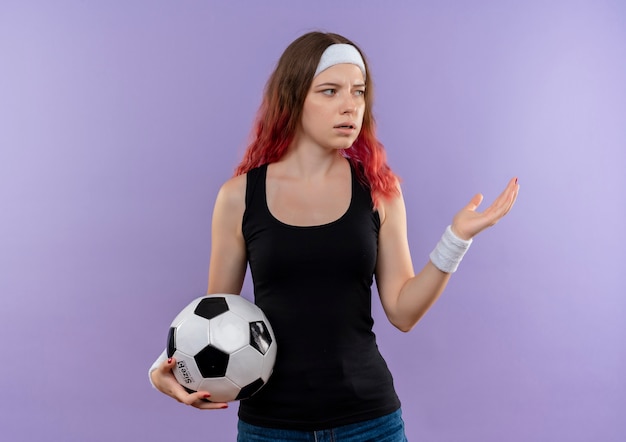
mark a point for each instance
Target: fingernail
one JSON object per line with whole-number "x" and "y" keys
{"x": 224, "y": 406}
{"x": 515, "y": 180}
{"x": 169, "y": 361}
{"x": 206, "y": 396}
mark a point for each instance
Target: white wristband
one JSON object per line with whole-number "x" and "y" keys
{"x": 449, "y": 251}
{"x": 162, "y": 357}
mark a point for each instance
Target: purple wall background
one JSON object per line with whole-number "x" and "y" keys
{"x": 119, "y": 120}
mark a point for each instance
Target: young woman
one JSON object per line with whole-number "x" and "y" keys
{"x": 317, "y": 213}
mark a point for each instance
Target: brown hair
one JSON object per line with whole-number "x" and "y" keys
{"x": 281, "y": 111}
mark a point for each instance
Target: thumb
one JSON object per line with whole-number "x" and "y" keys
{"x": 169, "y": 364}
{"x": 475, "y": 202}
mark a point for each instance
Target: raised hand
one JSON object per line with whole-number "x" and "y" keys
{"x": 468, "y": 222}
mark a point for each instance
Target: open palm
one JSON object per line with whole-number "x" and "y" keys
{"x": 468, "y": 222}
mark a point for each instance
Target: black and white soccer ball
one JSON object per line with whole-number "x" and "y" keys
{"x": 223, "y": 344}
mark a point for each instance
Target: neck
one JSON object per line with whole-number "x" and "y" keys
{"x": 309, "y": 162}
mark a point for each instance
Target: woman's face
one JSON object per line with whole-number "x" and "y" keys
{"x": 333, "y": 108}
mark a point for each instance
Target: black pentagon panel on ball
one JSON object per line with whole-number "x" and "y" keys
{"x": 260, "y": 337}
{"x": 171, "y": 342}
{"x": 209, "y": 308}
{"x": 211, "y": 362}
{"x": 250, "y": 389}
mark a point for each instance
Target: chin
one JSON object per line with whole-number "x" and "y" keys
{"x": 345, "y": 145}
{"x": 341, "y": 149}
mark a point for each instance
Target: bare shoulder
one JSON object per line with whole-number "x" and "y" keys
{"x": 228, "y": 252}
{"x": 391, "y": 206}
{"x": 232, "y": 194}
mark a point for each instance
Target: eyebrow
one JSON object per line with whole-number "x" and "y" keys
{"x": 337, "y": 85}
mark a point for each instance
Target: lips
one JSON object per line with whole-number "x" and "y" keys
{"x": 346, "y": 125}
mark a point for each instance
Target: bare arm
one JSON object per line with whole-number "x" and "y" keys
{"x": 406, "y": 297}
{"x": 226, "y": 273}
{"x": 228, "y": 250}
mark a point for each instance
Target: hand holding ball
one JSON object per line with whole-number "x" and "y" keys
{"x": 223, "y": 344}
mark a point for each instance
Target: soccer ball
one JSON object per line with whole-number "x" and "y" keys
{"x": 223, "y": 344}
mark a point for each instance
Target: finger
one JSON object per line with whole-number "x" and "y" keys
{"x": 203, "y": 405}
{"x": 168, "y": 365}
{"x": 508, "y": 190}
{"x": 512, "y": 182}
{"x": 475, "y": 202}
{"x": 201, "y": 400}
{"x": 162, "y": 373}
{"x": 504, "y": 197}
{"x": 511, "y": 195}
{"x": 505, "y": 201}
{"x": 197, "y": 396}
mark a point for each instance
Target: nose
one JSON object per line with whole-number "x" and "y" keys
{"x": 348, "y": 104}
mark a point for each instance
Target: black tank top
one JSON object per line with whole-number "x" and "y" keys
{"x": 314, "y": 285}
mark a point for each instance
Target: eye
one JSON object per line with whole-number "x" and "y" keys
{"x": 330, "y": 92}
{"x": 359, "y": 92}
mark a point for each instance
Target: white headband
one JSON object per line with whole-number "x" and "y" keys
{"x": 340, "y": 53}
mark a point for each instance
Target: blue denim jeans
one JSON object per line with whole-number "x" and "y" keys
{"x": 388, "y": 428}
